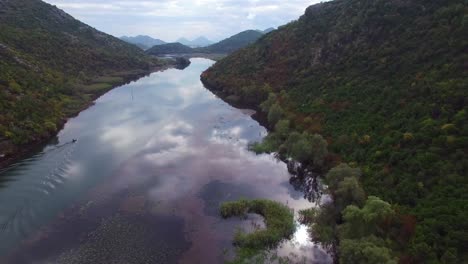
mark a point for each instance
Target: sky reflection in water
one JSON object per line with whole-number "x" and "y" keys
{"x": 161, "y": 147}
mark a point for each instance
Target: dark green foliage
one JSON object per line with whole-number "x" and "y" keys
{"x": 267, "y": 104}
{"x": 233, "y": 43}
{"x": 282, "y": 128}
{"x": 360, "y": 229}
{"x": 349, "y": 191}
{"x": 307, "y": 148}
{"x": 369, "y": 250}
{"x": 279, "y": 221}
{"x": 337, "y": 174}
{"x": 365, "y": 221}
{"x": 170, "y": 48}
{"x": 275, "y": 114}
{"x": 49, "y": 67}
{"x": 386, "y": 82}
{"x": 362, "y": 240}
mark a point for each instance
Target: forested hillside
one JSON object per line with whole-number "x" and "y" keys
{"x": 233, "y": 43}
{"x": 52, "y": 65}
{"x": 386, "y": 84}
{"x": 225, "y": 46}
{"x": 170, "y": 48}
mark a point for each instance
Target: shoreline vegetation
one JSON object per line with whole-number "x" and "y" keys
{"x": 53, "y": 66}
{"x": 92, "y": 90}
{"x": 378, "y": 108}
{"x": 250, "y": 247}
{"x": 362, "y": 224}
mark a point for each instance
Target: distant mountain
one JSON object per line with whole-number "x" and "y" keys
{"x": 51, "y": 66}
{"x": 184, "y": 41}
{"x": 144, "y": 42}
{"x": 196, "y": 43}
{"x": 234, "y": 43}
{"x": 170, "y": 48}
{"x": 225, "y": 46}
{"x": 268, "y": 30}
{"x": 201, "y": 42}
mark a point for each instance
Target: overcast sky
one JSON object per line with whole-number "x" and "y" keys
{"x": 171, "y": 19}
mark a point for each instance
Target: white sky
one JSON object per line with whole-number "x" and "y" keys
{"x": 172, "y": 19}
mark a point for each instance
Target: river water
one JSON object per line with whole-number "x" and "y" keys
{"x": 143, "y": 183}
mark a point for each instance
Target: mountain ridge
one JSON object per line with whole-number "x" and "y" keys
{"x": 143, "y": 41}
{"x": 53, "y": 62}
{"x": 228, "y": 45}
{"x": 195, "y": 43}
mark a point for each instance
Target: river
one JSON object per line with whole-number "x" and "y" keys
{"x": 143, "y": 183}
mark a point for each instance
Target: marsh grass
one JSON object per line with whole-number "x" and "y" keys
{"x": 279, "y": 221}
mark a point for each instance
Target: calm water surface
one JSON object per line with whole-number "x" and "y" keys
{"x": 143, "y": 183}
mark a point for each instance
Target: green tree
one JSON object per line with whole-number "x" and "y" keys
{"x": 369, "y": 250}
{"x": 282, "y": 128}
{"x": 366, "y": 221}
{"x": 349, "y": 192}
{"x": 319, "y": 148}
{"x": 275, "y": 114}
{"x": 271, "y": 100}
{"x": 300, "y": 149}
{"x": 339, "y": 173}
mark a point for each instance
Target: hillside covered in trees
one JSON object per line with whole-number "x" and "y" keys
{"x": 385, "y": 83}
{"x": 233, "y": 43}
{"x": 170, "y": 48}
{"x": 225, "y": 46}
{"x": 51, "y": 66}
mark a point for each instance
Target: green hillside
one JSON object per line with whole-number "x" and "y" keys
{"x": 170, "y": 48}
{"x": 225, "y": 46}
{"x": 51, "y": 66}
{"x": 386, "y": 83}
{"x": 233, "y": 43}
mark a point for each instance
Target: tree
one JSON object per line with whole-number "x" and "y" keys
{"x": 319, "y": 148}
{"x": 271, "y": 100}
{"x": 366, "y": 221}
{"x": 306, "y": 148}
{"x": 349, "y": 192}
{"x": 339, "y": 173}
{"x": 275, "y": 114}
{"x": 282, "y": 128}
{"x": 369, "y": 250}
{"x": 300, "y": 148}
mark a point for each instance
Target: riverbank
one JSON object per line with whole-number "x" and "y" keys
{"x": 11, "y": 153}
{"x": 306, "y": 155}
{"x": 130, "y": 156}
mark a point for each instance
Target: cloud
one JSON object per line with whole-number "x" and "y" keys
{"x": 172, "y": 19}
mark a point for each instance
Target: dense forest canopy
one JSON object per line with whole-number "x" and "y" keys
{"x": 386, "y": 83}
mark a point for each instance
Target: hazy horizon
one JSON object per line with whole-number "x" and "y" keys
{"x": 170, "y": 20}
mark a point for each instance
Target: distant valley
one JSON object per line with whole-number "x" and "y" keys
{"x": 225, "y": 46}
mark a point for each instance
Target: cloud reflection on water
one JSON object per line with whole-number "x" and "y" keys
{"x": 164, "y": 139}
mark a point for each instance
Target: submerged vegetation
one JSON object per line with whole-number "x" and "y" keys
{"x": 279, "y": 220}
{"x": 384, "y": 84}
